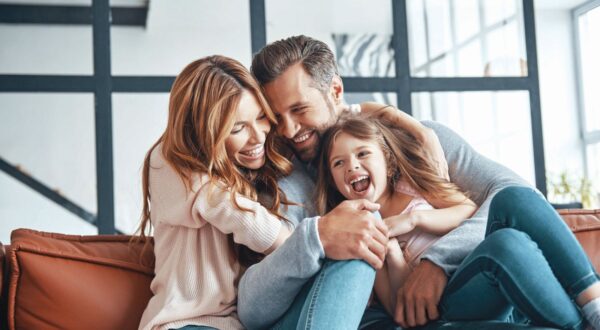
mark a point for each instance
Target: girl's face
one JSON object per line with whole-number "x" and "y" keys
{"x": 358, "y": 167}
{"x": 246, "y": 142}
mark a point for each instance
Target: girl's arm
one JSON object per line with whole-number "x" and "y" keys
{"x": 422, "y": 133}
{"x": 382, "y": 288}
{"x": 436, "y": 221}
{"x": 391, "y": 276}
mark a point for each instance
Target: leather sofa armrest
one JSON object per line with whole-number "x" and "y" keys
{"x": 3, "y": 287}
{"x": 2, "y": 267}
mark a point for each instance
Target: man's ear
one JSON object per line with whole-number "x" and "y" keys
{"x": 337, "y": 89}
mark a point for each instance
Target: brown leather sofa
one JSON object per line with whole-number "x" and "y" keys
{"x": 55, "y": 281}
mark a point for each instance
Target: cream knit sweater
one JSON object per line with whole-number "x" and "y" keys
{"x": 196, "y": 277}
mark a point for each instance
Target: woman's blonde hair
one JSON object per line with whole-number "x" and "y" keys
{"x": 406, "y": 159}
{"x": 202, "y": 109}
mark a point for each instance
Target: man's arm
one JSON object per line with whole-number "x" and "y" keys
{"x": 350, "y": 231}
{"x": 268, "y": 288}
{"x": 481, "y": 178}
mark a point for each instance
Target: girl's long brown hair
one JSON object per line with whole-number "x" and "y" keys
{"x": 202, "y": 106}
{"x": 406, "y": 159}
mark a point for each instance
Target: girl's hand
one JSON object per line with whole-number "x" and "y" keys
{"x": 400, "y": 224}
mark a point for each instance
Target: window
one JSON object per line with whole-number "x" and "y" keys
{"x": 587, "y": 28}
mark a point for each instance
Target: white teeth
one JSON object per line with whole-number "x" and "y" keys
{"x": 302, "y": 137}
{"x": 362, "y": 177}
{"x": 254, "y": 152}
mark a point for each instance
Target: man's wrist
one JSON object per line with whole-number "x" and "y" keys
{"x": 319, "y": 235}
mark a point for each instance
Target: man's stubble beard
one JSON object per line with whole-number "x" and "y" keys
{"x": 312, "y": 152}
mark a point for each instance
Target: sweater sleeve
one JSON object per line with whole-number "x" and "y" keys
{"x": 256, "y": 228}
{"x": 268, "y": 288}
{"x": 481, "y": 178}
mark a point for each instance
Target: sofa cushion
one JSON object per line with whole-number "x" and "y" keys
{"x": 77, "y": 282}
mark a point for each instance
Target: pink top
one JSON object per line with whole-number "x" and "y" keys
{"x": 196, "y": 277}
{"x": 415, "y": 242}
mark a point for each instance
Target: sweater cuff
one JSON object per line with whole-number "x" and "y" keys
{"x": 314, "y": 241}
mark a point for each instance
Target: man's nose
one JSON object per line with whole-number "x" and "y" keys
{"x": 287, "y": 128}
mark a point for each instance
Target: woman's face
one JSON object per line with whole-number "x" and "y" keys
{"x": 358, "y": 167}
{"x": 246, "y": 142}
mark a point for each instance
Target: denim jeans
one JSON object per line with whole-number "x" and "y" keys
{"x": 335, "y": 298}
{"x": 529, "y": 261}
{"x": 529, "y": 268}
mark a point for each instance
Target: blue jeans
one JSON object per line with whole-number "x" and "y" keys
{"x": 530, "y": 267}
{"x": 334, "y": 299}
{"x": 529, "y": 261}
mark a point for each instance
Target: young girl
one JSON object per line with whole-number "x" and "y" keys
{"x": 364, "y": 158}
{"x": 200, "y": 182}
{"x": 529, "y": 260}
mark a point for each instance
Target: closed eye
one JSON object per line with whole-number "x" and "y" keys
{"x": 299, "y": 110}
{"x": 237, "y": 129}
{"x": 262, "y": 116}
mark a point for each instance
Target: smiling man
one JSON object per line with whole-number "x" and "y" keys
{"x": 300, "y": 80}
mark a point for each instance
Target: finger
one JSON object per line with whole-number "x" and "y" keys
{"x": 381, "y": 237}
{"x": 364, "y": 204}
{"x": 381, "y": 226}
{"x": 432, "y": 311}
{"x": 410, "y": 312}
{"x": 370, "y": 257}
{"x": 421, "y": 313}
{"x": 399, "y": 315}
{"x": 378, "y": 248}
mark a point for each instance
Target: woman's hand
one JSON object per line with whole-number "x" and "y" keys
{"x": 400, "y": 224}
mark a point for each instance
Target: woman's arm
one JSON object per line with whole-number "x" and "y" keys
{"x": 436, "y": 221}
{"x": 253, "y": 226}
{"x": 284, "y": 233}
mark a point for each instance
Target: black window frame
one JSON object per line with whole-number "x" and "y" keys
{"x": 103, "y": 84}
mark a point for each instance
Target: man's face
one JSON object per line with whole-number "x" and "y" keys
{"x": 303, "y": 111}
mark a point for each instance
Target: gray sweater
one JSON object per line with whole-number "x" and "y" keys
{"x": 268, "y": 288}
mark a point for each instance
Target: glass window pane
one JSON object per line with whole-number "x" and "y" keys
{"x": 593, "y": 168}
{"x": 471, "y": 38}
{"x": 177, "y": 33}
{"x": 21, "y": 207}
{"x": 487, "y": 121}
{"x": 383, "y": 98}
{"x": 51, "y": 137}
{"x": 362, "y": 45}
{"x": 138, "y": 121}
{"x": 46, "y": 49}
{"x": 589, "y": 31}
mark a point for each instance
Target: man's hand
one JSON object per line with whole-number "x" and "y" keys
{"x": 417, "y": 300}
{"x": 350, "y": 231}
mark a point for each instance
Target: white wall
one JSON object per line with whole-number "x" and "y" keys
{"x": 51, "y": 136}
